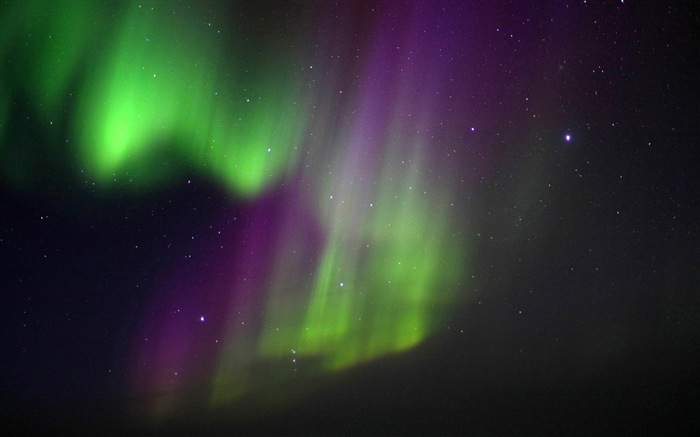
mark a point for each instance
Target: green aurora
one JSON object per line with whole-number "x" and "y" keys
{"x": 160, "y": 94}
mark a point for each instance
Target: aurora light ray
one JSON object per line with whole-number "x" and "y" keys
{"x": 385, "y": 227}
{"x": 349, "y": 253}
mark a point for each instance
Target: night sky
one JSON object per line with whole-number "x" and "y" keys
{"x": 352, "y": 217}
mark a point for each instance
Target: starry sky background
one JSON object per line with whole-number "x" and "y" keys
{"x": 349, "y": 217}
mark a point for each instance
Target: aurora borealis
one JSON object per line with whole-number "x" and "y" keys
{"x": 361, "y": 260}
{"x": 244, "y": 205}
